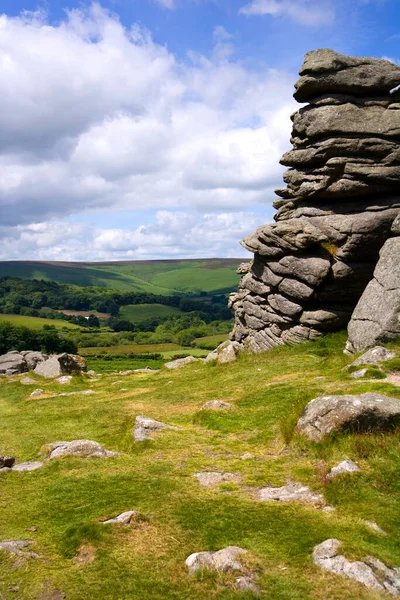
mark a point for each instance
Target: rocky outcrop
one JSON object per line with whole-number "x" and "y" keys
{"x": 146, "y": 427}
{"x": 372, "y": 573}
{"x": 363, "y": 412}
{"x": 14, "y": 362}
{"x": 61, "y": 364}
{"x": 335, "y": 214}
{"x": 376, "y": 318}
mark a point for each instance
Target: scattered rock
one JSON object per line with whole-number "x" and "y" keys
{"x": 372, "y": 573}
{"x": 181, "y": 362}
{"x": 16, "y": 547}
{"x": 78, "y": 393}
{"x": 212, "y": 479}
{"x": 358, "y": 374}
{"x": 146, "y": 370}
{"x": 37, "y": 392}
{"x": 221, "y": 561}
{"x": 91, "y": 373}
{"x": 211, "y": 356}
{"x": 27, "y": 381}
{"x": 363, "y": 412}
{"x": 127, "y": 372}
{"x": 144, "y": 427}
{"x": 292, "y": 492}
{"x": 80, "y": 448}
{"x": 247, "y": 584}
{"x": 216, "y": 405}
{"x": 61, "y": 364}
{"x": 124, "y": 518}
{"x": 375, "y": 527}
{"x": 64, "y": 379}
{"x": 6, "y": 461}
{"x": 346, "y": 466}
{"x": 27, "y": 466}
{"x": 373, "y": 357}
{"x": 227, "y": 352}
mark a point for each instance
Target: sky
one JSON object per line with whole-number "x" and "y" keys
{"x": 152, "y": 129}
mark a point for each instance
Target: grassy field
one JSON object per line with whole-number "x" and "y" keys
{"x": 216, "y": 276}
{"x": 60, "y": 506}
{"x": 37, "y": 322}
{"x": 140, "y": 312}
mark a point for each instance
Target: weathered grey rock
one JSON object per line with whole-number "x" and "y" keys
{"x": 79, "y": 448}
{"x": 325, "y": 72}
{"x": 247, "y": 584}
{"x": 292, "y": 492}
{"x": 77, "y": 393}
{"x": 346, "y": 466}
{"x": 33, "y": 358}
{"x": 61, "y": 364}
{"x": 27, "y": 466}
{"x": 373, "y": 357}
{"x": 146, "y": 370}
{"x": 124, "y": 518}
{"x": 212, "y": 479}
{"x": 181, "y": 362}
{"x": 366, "y": 412}
{"x": 145, "y": 427}
{"x": 376, "y": 318}
{"x": 216, "y": 405}
{"x": 227, "y": 352}
{"x": 27, "y": 381}
{"x": 6, "y": 461}
{"x": 12, "y": 363}
{"x": 372, "y": 573}
{"x": 359, "y": 374}
{"x": 221, "y": 561}
{"x": 375, "y": 527}
{"x": 65, "y": 379}
{"x": 37, "y": 392}
{"x": 16, "y": 547}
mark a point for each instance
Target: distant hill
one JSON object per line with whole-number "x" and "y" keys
{"x": 211, "y": 275}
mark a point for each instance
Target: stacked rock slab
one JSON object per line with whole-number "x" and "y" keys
{"x": 342, "y": 196}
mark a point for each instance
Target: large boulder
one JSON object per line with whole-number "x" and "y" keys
{"x": 61, "y": 364}
{"x": 376, "y": 318}
{"x": 146, "y": 427}
{"x": 79, "y": 448}
{"x": 363, "y": 412}
{"x": 14, "y": 362}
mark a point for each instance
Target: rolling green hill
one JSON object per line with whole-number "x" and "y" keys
{"x": 36, "y": 322}
{"x": 215, "y": 276}
{"x": 140, "y": 312}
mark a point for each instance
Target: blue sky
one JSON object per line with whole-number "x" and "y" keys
{"x": 153, "y": 128}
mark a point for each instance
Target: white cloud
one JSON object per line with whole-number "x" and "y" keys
{"x": 94, "y": 116}
{"x": 166, "y": 3}
{"x": 305, "y": 12}
{"x": 170, "y": 235}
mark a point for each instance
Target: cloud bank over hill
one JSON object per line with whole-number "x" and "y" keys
{"x": 95, "y": 116}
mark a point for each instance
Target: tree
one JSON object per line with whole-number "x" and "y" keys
{"x": 93, "y": 321}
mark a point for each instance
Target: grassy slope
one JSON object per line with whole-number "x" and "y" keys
{"x": 36, "y": 322}
{"x": 157, "y": 277}
{"x": 139, "y": 312}
{"x": 66, "y": 499}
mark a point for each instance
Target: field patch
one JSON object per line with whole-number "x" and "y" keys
{"x": 36, "y": 322}
{"x": 135, "y": 313}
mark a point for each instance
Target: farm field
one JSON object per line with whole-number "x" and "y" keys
{"x": 61, "y": 507}
{"x": 36, "y": 322}
{"x": 140, "y": 312}
{"x": 166, "y": 277}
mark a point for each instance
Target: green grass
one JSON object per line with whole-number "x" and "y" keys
{"x": 67, "y": 499}
{"x": 37, "y": 322}
{"x": 140, "y": 312}
{"x": 216, "y": 276}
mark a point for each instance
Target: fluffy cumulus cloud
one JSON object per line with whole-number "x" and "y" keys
{"x": 169, "y": 235}
{"x": 95, "y": 116}
{"x": 305, "y": 12}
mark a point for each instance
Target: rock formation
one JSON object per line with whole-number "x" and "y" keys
{"x": 335, "y": 214}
